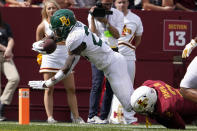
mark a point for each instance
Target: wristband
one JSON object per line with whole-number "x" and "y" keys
{"x": 49, "y": 83}
{"x": 58, "y": 77}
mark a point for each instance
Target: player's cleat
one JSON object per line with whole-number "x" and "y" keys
{"x": 78, "y": 120}
{"x": 51, "y": 120}
{"x": 96, "y": 120}
{"x": 105, "y": 121}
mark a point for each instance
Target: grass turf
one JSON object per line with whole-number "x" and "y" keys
{"x": 43, "y": 126}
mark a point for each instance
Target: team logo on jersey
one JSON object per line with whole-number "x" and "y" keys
{"x": 126, "y": 30}
{"x": 119, "y": 114}
{"x": 65, "y": 21}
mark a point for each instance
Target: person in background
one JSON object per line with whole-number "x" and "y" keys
{"x": 127, "y": 44}
{"x": 158, "y": 5}
{"x": 2, "y": 3}
{"x": 85, "y": 3}
{"x": 7, "y": 67}
{"x": 52, "y": 63}
{"x": 163, "y": 103}
{"x": 169, "y": 5}
{"x": 108, "y": 28}
{"x": 66, "y": 3}
{"x": 185, "y": 5}
{"x": 17, "y": 3}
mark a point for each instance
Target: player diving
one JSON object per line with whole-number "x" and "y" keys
{"x": 80, "y": 41}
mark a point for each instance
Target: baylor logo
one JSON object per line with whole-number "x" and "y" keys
{"x": 65, "y": 21}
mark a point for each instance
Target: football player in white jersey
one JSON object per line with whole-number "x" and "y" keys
{"x": 51, "y": 63}
{"x": 127, "y": 43}
{"x": 80, "y": 41}
{"x": 189, "y": 82}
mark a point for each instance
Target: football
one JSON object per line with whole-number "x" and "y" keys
{"x": 49, "y": 46}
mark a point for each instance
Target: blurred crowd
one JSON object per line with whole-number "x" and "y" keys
{"x": 163, "y": 5}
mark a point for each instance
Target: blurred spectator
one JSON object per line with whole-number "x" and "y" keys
{"x": 36, "y": 3}
{"x": 17, "y": 3}
{"x": 7, "y": 66}
{"x": 158, "y": 5}
{"x": 66, "y": 3}
{"x": 186, "y": 5}
{"x": 86, "y": 3}
{"x": 131, "y": 4}
{"x": 2, "y": 3}
{"x": 167, "y": 5}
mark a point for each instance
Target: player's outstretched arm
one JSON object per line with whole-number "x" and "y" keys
{"x": 71, "y": 61}
{"x": 69, "y": 65}
{"x": 189, "y": 47}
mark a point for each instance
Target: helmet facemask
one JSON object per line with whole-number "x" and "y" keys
{"x": 62, "y": 23}
{"x": 143, "y": 100}
{"x": 61, "y": 33}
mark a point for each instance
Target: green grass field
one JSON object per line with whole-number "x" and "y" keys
{"x": 43, "y": 126}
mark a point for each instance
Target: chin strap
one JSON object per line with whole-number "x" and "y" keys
{"x": 148, "y": 123}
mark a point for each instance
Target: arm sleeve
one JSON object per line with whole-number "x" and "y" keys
{"x": 74, "y": 40}
{"x": 120, "y": 22}
{"x": 89, "y": 20}
{"x": 140, "y": 29}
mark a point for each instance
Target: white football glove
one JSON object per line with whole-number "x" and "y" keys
{"x": 188, "y": 48}
{"x": 37, "y": 85}
{"x": 38, "y": 48}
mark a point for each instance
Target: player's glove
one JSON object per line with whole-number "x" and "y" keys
{"x": 37, "y": 46}
{"x": 188, "y": 48}
{"x": 37, "y": 84}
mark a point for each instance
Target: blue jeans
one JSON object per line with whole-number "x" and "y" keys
{"x": 95, "y": 95}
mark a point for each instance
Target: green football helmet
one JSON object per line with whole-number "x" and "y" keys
{"x": 62, "y": 22}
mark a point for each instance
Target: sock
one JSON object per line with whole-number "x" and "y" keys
{"x": 1, "y": 109}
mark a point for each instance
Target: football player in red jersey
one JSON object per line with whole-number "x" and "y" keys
{"x": 165, "y": 104}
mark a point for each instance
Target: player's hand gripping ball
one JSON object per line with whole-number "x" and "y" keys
{"x": 46, "y": 46}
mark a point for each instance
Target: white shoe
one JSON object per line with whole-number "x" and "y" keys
{"x": 78, "y": 121}
{"x": 51, "y": 120}
{"x": 105, "y": 121}
{"x": 95, "y": 120}
{"x": 2, "y": 118}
